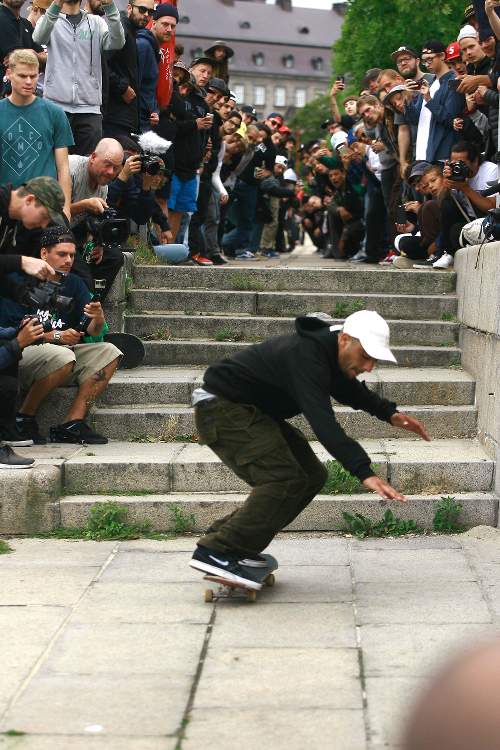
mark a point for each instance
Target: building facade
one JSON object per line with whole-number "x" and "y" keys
{"x": 282, "y": 54}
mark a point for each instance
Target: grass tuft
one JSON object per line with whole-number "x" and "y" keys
{"x": 339, "y": 481}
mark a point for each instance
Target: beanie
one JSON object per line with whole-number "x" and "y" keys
{"x": 165, "y": 9}
{"x": 466, "y": 32}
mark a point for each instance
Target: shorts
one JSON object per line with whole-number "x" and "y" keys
{"x": 41, "y": 360}
{"x": 183, "y": 195}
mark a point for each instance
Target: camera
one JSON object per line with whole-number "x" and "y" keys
{"x": 108, "y": 228}
{"x": 459, "y": 171}
{"x": 151, "y": 164}
{"x": 491, "y": 224}
{"x": 44, "y": 295}
{"x": 152, "y": 148}
{"x": 100, "y": 287}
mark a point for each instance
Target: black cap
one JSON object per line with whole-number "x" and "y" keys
{"x": 165, "y": 9}
{"x": 219, "y": 85}
{"x": 402, "y": 51}
{"x": 203, "y": 60}
{"x": 326, "y": 124}
{"x": 434, "y": 46}
{"x": 247, "y": 109}
{"x": 370, "y": 75}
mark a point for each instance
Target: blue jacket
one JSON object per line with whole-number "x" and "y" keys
{"x": 148, "y": 55}
{"x": 10, "y": 351}
{"x": 445, "y": 105}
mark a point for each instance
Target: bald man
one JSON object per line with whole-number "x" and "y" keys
{"x": 90, "y": 177}
{"x": 460, "y": 709}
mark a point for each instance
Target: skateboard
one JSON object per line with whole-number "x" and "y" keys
{"x": 131, "y": 346}
{"x": 229, "y": 589}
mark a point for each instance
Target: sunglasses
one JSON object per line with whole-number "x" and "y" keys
{"x": 142, "y": 9}
{"x": 275, "y": 122}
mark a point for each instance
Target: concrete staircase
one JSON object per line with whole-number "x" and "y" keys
{"x": 189, "y": 317}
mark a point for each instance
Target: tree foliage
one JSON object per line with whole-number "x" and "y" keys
{"x": 308, "y": 119}
{"x": 372, "y": 29}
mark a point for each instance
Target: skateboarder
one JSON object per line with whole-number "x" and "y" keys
{"x": 240, "y": 413}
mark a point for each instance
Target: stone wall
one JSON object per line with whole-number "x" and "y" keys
{"x": 478, "y": 289}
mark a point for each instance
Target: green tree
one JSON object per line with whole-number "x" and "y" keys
{"x": 308, "y": 119}
{"x": 372, "y": 29}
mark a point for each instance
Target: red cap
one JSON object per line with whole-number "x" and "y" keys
{"x": 284, "y": 129}
{"x": 453, "y": 51}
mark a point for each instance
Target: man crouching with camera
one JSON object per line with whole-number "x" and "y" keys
{"x": 72, "y": 350}
{"x": 465, "y": 176}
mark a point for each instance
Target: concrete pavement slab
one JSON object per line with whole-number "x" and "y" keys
{"x": 389, "y": 701}
{"x": 299, "y": 550}
{"x": 282, "y": 729}
{"x": 297, "y": 678}
{"x": 149, "y": 567}
{"x": 88, "y": 742}
{"x": 50, "y": 585}
{"x": 311, "y": 584}
{"x": 373, "y": 566}
{"x": 38, "y": 553}
{"x": 322, "y": 625}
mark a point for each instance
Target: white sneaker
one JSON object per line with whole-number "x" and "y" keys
{"x": 445, "y": 261}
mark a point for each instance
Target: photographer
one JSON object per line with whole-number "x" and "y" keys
{"x": 69, "y": 352}
{"x": 465, "y": 176}
{"x": 90, "y": 176}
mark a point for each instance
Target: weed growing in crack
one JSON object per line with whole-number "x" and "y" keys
{"x": 183, "y": 522}
{"x": 446, "y": 516}
{"x": 389, "y": 525}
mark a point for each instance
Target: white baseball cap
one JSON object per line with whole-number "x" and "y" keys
{"x": 281, "y": 160}
{"x": 338, "y": 139}
{"x": 372, "y": 332}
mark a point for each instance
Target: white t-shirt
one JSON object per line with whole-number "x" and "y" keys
{"x": 424, "y": 125}
{"x": 487, "y": 172}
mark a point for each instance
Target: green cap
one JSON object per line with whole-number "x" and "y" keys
{"x": 49, "y": 193}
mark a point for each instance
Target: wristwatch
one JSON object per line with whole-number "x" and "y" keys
{"x": 57, "y": 337}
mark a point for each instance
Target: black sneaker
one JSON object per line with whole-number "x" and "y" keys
{"x": 255, "y": 561}
{"x": 27, "y": 427}
{"x": 218, "y": 259}
{"x": 223, "y": 565}
{"x": 77, "y": 431}
{"x": 10, "y": 460}
{"x": 428, "y": 262}
{"x": 13, "y": 437}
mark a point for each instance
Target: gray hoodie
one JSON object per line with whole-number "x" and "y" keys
{"x": 73, "y": 73}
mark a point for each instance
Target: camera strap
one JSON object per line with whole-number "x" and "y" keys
{"x": 461, "y": 209}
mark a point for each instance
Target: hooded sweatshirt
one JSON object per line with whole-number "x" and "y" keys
{"x": 73, "y": 75}
{"x": 148, "y": 53}
{"x": 8, "y": 233}
{"x": 299, "y": 374}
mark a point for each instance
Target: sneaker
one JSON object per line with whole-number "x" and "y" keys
{"x": 27, "y": 426}
{"x": 427, "y": 263}
{"x": 76, "y": 431}
{"x": 402, "y": 261}
{"x": 245, "y": 255}
{"x": 11, "y": 436}
{"x": 218, "y": 259}
{"x": 389, "y": 258}
{"x": 223, "y": 565}
{"x": 200, "y": 260}
{"x": 445, "y": 261}
{"x": 359, "y": 257}
{"x": 10, "y": 460}
{"x": 270, "y": 254}
{"x": 256, "y": 561}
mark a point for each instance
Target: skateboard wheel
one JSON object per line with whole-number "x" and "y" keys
{"x": 270, "y": 580}
{"x": 209, "y": 595}
{"x": 252, "y": 596}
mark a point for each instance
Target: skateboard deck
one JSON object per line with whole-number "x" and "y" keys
{"x": 131, "y": 346}
{"x": 229, "y": 589}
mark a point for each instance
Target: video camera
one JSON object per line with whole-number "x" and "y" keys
{"x": 152, "y": 147}
{"x": 108, "y": 228}
{"x": 45, "y": 296}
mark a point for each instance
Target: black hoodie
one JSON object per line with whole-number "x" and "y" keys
{"x": 8, "y": 232}
{"x": 298, "y": 374}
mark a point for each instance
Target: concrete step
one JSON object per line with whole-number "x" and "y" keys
{"x": 251, "y": 329}
{"x": 199, "y": 510}
{"x": 377, "y": 279}
{"x": 172, "y": 422}
{"x": 205, "y": 352}
{"x": 393, "y": 305}
{"x": 441, "y": 466}
{"x": 174, "y": 385}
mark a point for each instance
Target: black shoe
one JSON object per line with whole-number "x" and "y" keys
{"x": 223, "y": 565}
{"x": 218, "y": 259}
{"x": 255, "y": 561}
{"x": 13, "y": 437}
{"x": 428, "y": 262}
{"x": 77, "y": 431}
{"x": 10, "y": 460}
{"x": 27, "y": 427}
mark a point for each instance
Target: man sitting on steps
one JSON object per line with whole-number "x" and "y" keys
{"x": 64, "y": 357}
{"x": 240, "y": 413}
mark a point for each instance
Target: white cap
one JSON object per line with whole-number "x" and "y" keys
{"x": 290, "y": 176}
{"x": 372, "y": 332}
{"x": 281, "y": 160}
{"x": 338, "y": 139}
{"x": 466, "y": 32}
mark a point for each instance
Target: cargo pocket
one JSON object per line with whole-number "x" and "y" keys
{"x": 206, "y": 426}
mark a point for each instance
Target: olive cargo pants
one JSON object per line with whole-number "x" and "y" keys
{"x": 273, "y": 457}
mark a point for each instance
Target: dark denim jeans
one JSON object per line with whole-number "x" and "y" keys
{"x": 245, "y": 204}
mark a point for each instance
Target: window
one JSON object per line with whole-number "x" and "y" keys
{"x": 303, "y": 30}
{"x": 258, "y": 58}
{"x": 244, "y": 24}
{"x": 288, "y": 61}
{"x": 184, "y": 19}
{"x": 300, "y": 97}
{"x": 239, "y": 91}
{"x": 259, "y": 96}
{"x": 279, "y": 96}
{"x": 318, "y": 63}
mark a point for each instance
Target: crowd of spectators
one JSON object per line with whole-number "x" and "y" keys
{"x": 105, "y": 131}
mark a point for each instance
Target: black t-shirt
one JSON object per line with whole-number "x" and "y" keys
{"x": 264, "y": 156}
{"x": 17, "y": 33}
{"x": 74, "y": 19}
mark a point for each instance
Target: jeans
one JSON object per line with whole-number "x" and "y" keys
{"x": 171, "y": 254}
{"x": 245, "y": 197}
